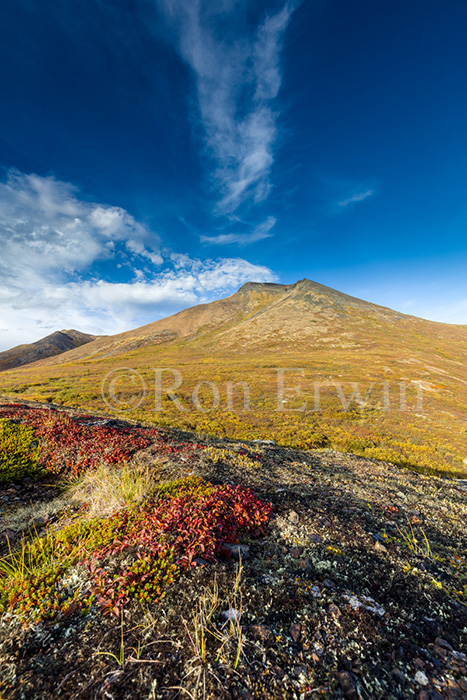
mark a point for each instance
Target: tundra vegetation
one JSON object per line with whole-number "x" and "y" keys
{"x": 142, "y": 562}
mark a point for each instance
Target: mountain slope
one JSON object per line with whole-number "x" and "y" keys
{"x": 260, "y": 314}
{"x": 357, "y": 376}
{"x": 53, "y": 344}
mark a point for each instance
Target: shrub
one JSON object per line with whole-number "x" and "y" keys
{"x": 134, "y": 554}
{"x": 19, "y": 451}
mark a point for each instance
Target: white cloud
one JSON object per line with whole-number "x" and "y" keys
{"x": 358, "y": 197}
{"x": 46, "y": 227}
{"x": 52, "y": 242}
{"x": 237, "y": 81}
{"x": 242, "y": 239}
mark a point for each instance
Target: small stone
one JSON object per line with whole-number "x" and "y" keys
{"x": 325, "y": 523}
{"x": 334, "y": 610}
{"x": 296, "y": 552}
{"x": 434, "y": 694}
{"x": 462, "y": 683}
{"x": 440, "y": 651}
{"x": 421, "y": 678}
{"x": 347, "y": 684}
{"x": 262, "y": 633}
{"x": 305, "y": 563}
{"x": 399, "y": 675}
{"x": 295, "y": 632}
{"x": 419, "y": 663}
{"x": 439, "y": 642}
{"x": 237, "y": 551}
{"x": 231, "y": 614}
{"x": 423, "y": 695}
{"x": 328, "y": 583}
{"x": 264, "y": 443}
{"x": 8, "y": 536}
{"x": 380, "y": 548}
{"x": 39, "y": 522}
{"x": 294, "y": 517}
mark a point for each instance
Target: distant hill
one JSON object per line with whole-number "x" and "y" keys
{"x": 351, "y": 347}
{"x": 53, "y": 344}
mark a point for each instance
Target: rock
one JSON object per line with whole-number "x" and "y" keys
{"x": 328, "y": 583}
{"x": 199, "y": 562}
{"x": 334, "y": 611}
{"x": 380, "y": 548}
{"x": 434, "y": 694}
{"x": 8, "y": 536}
{"x": 295, "y": 632}
{"x": 419, "y": 663}
{"x": 39, "y": 522}
{"x": 296, "y": 552}
{"x": 231, "y": 614}
{"x": 262, "y": 633}
{"x": 305, "y": 563}
{"x": 462, "y": 683}
{"x": 439, "y": 642}
{"x": 264, "y": 443}
{"x": 377, "y": 537}
{"x": 294, "y": 517}
{"x": 237, "y": 551}
{"x": 347, "y": 684}
{"x": 442, "y": 653}
{"x": 399, "y": 675}
{"x": 325, "y": 523}
{"x": 421, "y": 678}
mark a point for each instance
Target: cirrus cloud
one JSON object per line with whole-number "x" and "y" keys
{"x": 238, "y": 77}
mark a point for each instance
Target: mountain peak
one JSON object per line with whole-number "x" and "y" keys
{"x": 54, "y": 344}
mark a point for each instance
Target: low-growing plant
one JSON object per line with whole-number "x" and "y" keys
{"x": 19, "y": 451}
{"x": 109, "y": 488}
{"x": 133, "y": 554}
{"x": 418, "y": 545}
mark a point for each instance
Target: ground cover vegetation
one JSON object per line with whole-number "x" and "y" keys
{"x": 367, "y": 380}
{"x": 142, "y": 562}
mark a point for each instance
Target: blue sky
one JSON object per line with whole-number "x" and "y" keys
{"x": 155, "y": 154}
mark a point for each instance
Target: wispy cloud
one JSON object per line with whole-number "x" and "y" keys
{"x": 56, "y": 246}
{"x": 357, "y": 197}
{"x": 238, "y": 77}
{"x": 243, "y": 239}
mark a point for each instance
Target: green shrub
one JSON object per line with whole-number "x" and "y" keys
{"x": 19, "y": 451}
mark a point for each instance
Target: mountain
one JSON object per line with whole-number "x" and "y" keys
{"x": 261, "y": 314}
{"x": 357, "y": 376}
{"x": 50, "y": 346}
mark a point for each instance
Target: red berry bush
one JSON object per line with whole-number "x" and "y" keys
{"x": 135, "y": 553}
{"x": 73, "y": 444}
